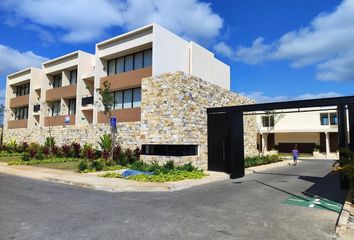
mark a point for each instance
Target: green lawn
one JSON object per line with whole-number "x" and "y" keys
{"x": 9, "y": 159}
{"x": 68, "y": 166}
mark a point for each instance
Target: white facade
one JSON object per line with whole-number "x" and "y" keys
{"x": 169, "y": 53}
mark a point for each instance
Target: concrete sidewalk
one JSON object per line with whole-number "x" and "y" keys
{"x": 96, "y": 182}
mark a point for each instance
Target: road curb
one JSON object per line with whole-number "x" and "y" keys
{"x": 343, "y": 220}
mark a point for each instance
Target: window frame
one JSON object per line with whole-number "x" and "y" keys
{"x": 115, "y": 60}
{"x": 21, "y": 113}
{"x": 324, "y": 116}
{"x": 60, "y": 82}
{"x": 70, "y": 77}
{"x": 59, "y": 108}
{"x": 72, "y": 103}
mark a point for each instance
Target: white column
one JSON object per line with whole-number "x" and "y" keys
{"x": 264, "y": 143}
{"x": 327, "y": 145}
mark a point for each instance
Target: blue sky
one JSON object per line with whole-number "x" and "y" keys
{"x": 277, "y": 50}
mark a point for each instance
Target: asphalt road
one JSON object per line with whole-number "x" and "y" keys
{"x": 248, "y": 208}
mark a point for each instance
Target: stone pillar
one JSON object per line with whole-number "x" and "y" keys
{"x": 264, "y": 143}
{"x": 328, "y": 151}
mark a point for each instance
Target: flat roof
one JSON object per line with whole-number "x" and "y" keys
{"x": 125, "y": 35}
{"x": 320, "y": 102}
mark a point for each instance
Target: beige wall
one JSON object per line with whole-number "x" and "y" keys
{"x": 299, "y": 122}
{"x": 297, "y": 138}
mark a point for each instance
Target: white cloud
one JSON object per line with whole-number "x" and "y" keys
{"x": 13, "y": 60}
{"x": 260, "y": 97}
{"x": 191, "y": 19}
{"x": 82, "y": 21}
{"x": 326, "y": 43}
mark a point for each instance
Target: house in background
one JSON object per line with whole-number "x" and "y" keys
{"x": 311, "y": 129}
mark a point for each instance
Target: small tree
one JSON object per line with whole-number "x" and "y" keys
{"x": 107, "y": 102}
{"x": 47, "y": 112}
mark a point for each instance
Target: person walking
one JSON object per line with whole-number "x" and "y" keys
{"x": 295, "y": 153}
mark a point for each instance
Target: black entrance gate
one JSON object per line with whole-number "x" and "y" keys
{"x": 225, "y": 130}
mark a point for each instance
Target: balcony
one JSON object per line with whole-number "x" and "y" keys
{"x": 61, "y": 92}
{"x": 127, "y": 80}
{"x": 59, "y": 120}
{"x": 86, "y": 101}
{"x": 19, "y": 101}
{"x": 122, "y": 115}
{"x": 12, "y": 124}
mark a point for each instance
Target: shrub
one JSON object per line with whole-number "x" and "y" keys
{"x": 130, "y": 156}
{"x": 11, "y": 146}
{"x": 49, "y": 142}
{"x": 66, "y": 150}
{"x": 169, "y": 165}
{"x": 40, "y": 155}
{"x": 105, "y": 154}
{"x": 105, "y": 142}
{"x": 97, "y": 165}
{"x": 137, "y": 153}
{"x": 25, "y": 157}
{"x": 117, "y": 151}
{"x": 76, "y": 149}
{"x": 123, "y": 160}
{"x": 32, "y": 149}
{"x": 88, "y": 152}
{"x": 82, "y": 166}
{"x": 22, "y": 147}
{"x": 187, "y": 167}
{"x": 46, "y": 151}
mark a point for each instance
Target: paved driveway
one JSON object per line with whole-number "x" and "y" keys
{"x": 249, "y": 208}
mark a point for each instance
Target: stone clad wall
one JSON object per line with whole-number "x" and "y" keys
{"x": 173, "y": 111}
{"x": 128, "y": 135}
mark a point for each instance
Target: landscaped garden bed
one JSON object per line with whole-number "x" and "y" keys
{"x": 156, "y": 173}
{"x": 261, "y": 160}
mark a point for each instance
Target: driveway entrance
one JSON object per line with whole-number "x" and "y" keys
{"x": 226, "y": 133}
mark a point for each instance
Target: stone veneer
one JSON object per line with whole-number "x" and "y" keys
{"x": 127, "y": 136}
{"x": 174, "y": 111}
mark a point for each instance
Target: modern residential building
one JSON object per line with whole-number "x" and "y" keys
{"x": 315, "y": 128}
{"x": 161, "y": 84}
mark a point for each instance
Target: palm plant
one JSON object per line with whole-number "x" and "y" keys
{"x": 106, "y": 145}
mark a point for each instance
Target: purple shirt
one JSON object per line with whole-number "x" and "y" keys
{"x": 295, "y": 153}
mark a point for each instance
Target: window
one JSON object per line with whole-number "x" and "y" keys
{"x": 129, "y": 62}
{"x": 72, "y": 106}
{"x": 57, "y": 81}
{"x": 120, "y": 65}
{"x": 169, "y": 150}
{"x": 118, "y": 100}
{"x": 268, "y": 121}
{"x": 21, "y": 113}
{"x": 127, "y": 98}
{"x": 333, "y": 118}
{"x": 147, "y": 58}
{"x": 329, "y": 118}
{"x": 22, "y": 90}
{"x": 55, "y": 108}
{"x": 136, "y": 97}
{"x": 138, "y": 60}
{"x": 324, "y": 119}
{"x": 111, "y": 69}
{"x": 73, "y": 77}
